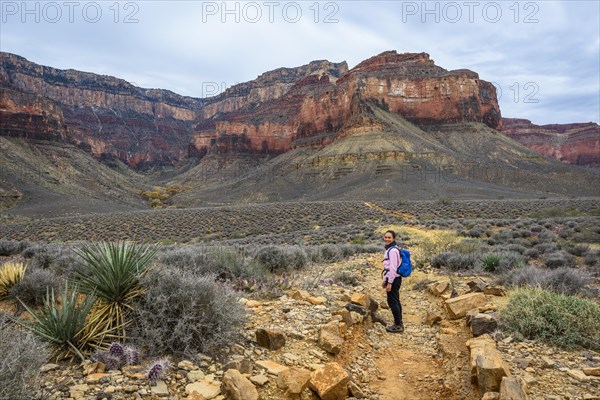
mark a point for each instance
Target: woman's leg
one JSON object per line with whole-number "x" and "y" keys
{"x": 393, "y": 300}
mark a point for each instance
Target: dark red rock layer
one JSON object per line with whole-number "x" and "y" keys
{"x": 281, "y": 109}
{"x": 577, "y": 144}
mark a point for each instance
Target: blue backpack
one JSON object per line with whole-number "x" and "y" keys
{"x": 405, "y": 267}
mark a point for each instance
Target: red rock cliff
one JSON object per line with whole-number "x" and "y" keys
{"x": 321, "y": 107}
{"x": 308, "y": 105}
{"x": 577, "y": 144}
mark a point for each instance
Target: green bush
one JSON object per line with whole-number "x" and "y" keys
{"x": 63, "y": 323}
{"x": 563, "y": 321}
{"x": 490, "y": 261}
{"x": 185, "y": 313}
{"x": 111, "y": 272}
{"x": 21, "y": 357}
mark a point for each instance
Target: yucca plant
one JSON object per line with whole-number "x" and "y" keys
{"x": 62, "y": 324}
{"x": 11, "y": 273}
{"x": 112, "y": 271}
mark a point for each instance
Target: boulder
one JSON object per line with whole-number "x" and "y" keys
{"x": 431, "y": 318}
{"x": 495, "y": 290}
{"x": 477, "y": 285}
{"x": 457, "y": 307}
{"x": 271, "y": 367}
{"x": 487, "y": 367}
{"x": 270, "y": 338}
{"x": 360, "y": 299}
{"x": 483, "y": 323}
{"x": 244, "y": 365}
{"x": 330, "y": 382}
{"x": 293, "y": 381}
{"x": 330, "y": 338}
{"x": 439, "y": 288}
{"x": 236, "y": 386}
{"x": 512, "y": 389}
{"x": 208, "y": 390}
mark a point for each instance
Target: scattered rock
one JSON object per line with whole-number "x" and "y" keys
{"x": 355, "y": 308}
{"x": 495, "y": 290}
{"x": 579, "y": 375}
{"x": 271, "y": 367}
{"x": 270, "y": 338}
{"x": 592, "y": 371}
{"x": 360, "y": 299}
{"x": 186, "y": 365}
{"x": 160, "y": 389}
{"x": 330, "y": 382}
{"x": 356, "y": 391}
{"x": 330, "y": 339}
{"x": 209, "y": 390}
{"x": 457, "y": 307}
{"x": 512, "y": 389}
{"x": 487, "y": 367}
{"x": 477, "y": 285}
{"x": 491, "y": 396}
{"x": 236, "y": 386}
{"x": 259, "y": 380}
{"x": 293, "y": 381}
{"x": 483, "y": 323}
{"x": 439, "y": 288}
{"x": 315, "y": 301}
{"x": 431, "y": 318}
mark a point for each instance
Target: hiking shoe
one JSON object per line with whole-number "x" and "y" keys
{"x": 395, "y": 329}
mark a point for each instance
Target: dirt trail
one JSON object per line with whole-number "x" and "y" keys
{"x": 424, "y": 362}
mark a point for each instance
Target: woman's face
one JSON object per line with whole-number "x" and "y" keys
{"x": 388, "y": 238}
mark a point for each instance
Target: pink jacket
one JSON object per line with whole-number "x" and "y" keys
{"x": 390, "y": 264}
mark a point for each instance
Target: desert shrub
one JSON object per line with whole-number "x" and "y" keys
{"x": 21, "y": 357}
{"x": 511, "y": 260}
{"x": 532, "y": 253}
{"x": 111, "y": 272}
{"x": 184, "y": 313}
{"x": 490, "y": 261}
{"x": 559, "y": 259}
{"x": 536, "y": 228}
{"x": 346, "y": 277}
{"x": 455, "y": 261}
{"x": 9, "y": 247}
{"x": 62, "y": 323}
{"x": 347, "y": 250}
{"x": 563, "y": 321}
{"x": 517, "y": 248}
{"x": 547, "y": 236}
{"x": 576, "y": 249}
{"x": 32, "y": 289}
{"x": 475, "y": 232}
{"x": 544, "y": 248}
{"x": 592, "y": 258}
{"x": 369, "y": 248}
{"x": 329, "y": 253}
{"x": 282, "y": 258}
{"x": 11, "y": 273}
{"x": 567, "y": 281}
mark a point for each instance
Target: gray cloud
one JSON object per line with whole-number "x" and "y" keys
{"x": 551, "y": 48}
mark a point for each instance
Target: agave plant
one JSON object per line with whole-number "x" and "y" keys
{"x": 10, "y": 274}
{"x": 112, "y": 271}
{"x": 62, "y": 323}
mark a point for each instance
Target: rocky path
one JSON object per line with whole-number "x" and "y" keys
{"x": 428, "y": 361}
{"x": 420, "y": 363}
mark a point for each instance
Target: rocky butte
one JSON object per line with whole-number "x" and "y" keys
{"x": 577, "y": 144}
{"x": 310, "y": 105}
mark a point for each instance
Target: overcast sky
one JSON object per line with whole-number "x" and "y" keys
{"x": 543, "y": 56}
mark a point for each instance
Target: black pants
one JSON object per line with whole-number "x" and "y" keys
{"x": 393, "y": 300}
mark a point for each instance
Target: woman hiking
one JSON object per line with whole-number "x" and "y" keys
{"x": 392, "y": 281}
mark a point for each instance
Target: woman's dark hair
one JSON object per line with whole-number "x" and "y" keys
{"x": 392, "y": 232}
